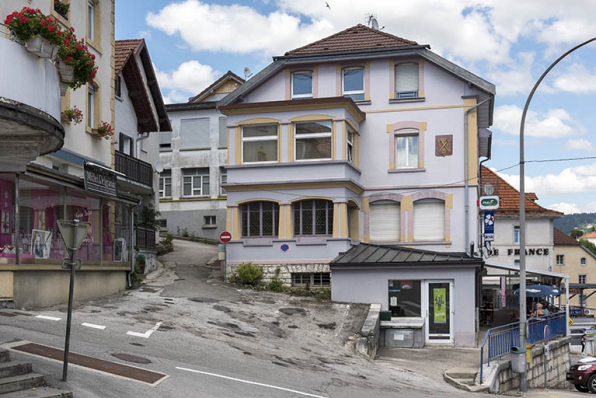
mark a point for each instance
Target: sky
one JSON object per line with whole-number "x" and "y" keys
{"x": 507, "y": 42}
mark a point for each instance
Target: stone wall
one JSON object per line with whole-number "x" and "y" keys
{"x": 501, "y": 378}
{"x": 368, "y": 341}
{"x": 285, "y": 271}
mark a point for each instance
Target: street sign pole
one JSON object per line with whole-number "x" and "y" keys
{"x": 224, "y": 238}
{"x": 73, "y": 254}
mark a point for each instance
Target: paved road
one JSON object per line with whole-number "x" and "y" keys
{"x": 215, "y": 341}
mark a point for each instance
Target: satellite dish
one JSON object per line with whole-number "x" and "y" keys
{"x": 247, "y": 73}
{"x": 158, "y": 167}
{"x": 374, "y": 24}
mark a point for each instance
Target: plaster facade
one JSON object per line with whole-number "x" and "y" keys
{"x": 579, "y": 263}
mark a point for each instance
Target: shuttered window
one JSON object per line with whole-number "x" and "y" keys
{"x": 406, "y": 80}
{"x": 223, "y": 132}
{"x": 194, "y": 133}
{"x": 429, "y": 220}
{"x": 385, "y": 221}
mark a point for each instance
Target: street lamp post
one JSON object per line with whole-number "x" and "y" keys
{"x": 523, "y": 385}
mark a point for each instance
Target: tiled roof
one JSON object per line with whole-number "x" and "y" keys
{"x": 216, "y": 83}
{"x": 590, "y": 235}
{"x": 509, "y": 197}
{"x": 561, "y": 238}
{"x": 356, "y": 38}
{"x": 123, "y": 50}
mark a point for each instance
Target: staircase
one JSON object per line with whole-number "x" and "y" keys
{"x": 17, "y": 380}
{"x": 464, "y": 379}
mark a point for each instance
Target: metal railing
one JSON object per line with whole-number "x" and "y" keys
{"x": 145, "y": 238}
{"x": 134, "y": 169}
{"x": 502, "y": 338}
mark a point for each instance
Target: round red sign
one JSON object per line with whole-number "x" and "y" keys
{"x": 225, "y": 237}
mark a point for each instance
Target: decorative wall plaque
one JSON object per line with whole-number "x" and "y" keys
{"x": 444, "y": 145}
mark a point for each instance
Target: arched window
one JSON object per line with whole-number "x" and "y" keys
{"x": 313, "y": 217}
{"x": 385, "y": 221}
{"x": 429, "y": 220}
{"x": 260, "y": 219}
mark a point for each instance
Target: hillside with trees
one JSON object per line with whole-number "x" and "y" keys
{"x": 581, "y": 221}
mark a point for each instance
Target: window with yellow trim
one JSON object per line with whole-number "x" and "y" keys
{"x": 406, "y": 80}
{"x": 260, "y": 143}
{"x": 313, "y": 140}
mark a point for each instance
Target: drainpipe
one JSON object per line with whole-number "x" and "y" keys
{"x": 480, "y": 223}
{"x": 467, "y": 238}
{"x": 132, "y": 241}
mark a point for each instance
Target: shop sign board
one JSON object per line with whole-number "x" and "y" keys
{"x": 100, "y": 180}
{"x": 489, "y": 202}
{"x": 489, "y": 226}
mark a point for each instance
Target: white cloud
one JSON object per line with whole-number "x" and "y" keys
{"x": 175, "y": 97}
{"x": 516, "y": 79}
{"x": 555, "y": 123}
{"x": 576, "y": 79}
{"x": 144, "y": 34}
{"x": 499, "y": 142}
{"x": 579, "y": 179}
{"x": 191, "y": 77}
{"x": 571, "y": 208}
{"x": 580, "y": 145}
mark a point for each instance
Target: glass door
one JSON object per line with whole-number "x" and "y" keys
{"x": 439, "y": 313}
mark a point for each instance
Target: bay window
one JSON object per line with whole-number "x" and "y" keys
{"x": 313, "y": 217}
{"x": 406, "y": 80}
{"x": 353, "y": 83}
{"x": 350, "y": 144}
{"x": 313, "y": 140}
{"x": 429, "y": 220}
{"x": 385, "y": 221}
{"x": 260, "y": 219}
{"x": 406, "y": 148}
{"x": 259, "y": 143}
{"x": 301, "y": 85}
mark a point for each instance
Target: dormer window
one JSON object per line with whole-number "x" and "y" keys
{"x": 406, "y": 80}
{"x": 301, "y": 85}
{"x": 353, "y": 83}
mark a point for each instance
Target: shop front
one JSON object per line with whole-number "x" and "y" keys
{"x": 31, "y": 250}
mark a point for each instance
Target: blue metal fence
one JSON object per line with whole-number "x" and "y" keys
{"x": 502, "y": 338}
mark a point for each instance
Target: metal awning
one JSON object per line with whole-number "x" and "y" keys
{"x": 528, "y": 270}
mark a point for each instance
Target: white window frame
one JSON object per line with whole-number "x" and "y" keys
{"x": 516, "y": 234}
{"x": 344, "y": 92}
{"x": 91, "y": 20}
{"x": 207, "y": 218}
{"x": 164, "y": 179}
{"x": 192, "y": 181}
{"x": 222, "y": 176}
{"x": 582, "y": 276}
{"x": 560, "y": 257}
{"x": 301, "y": 96}
{"x": 350, "y": 144}
{"x": 407, "y": 94}
{"x": 313, "y": 135}
{"x": 405, "y": 133}
{"x": 91, "y": 106}
{"x": 311, "y": 281}
{"x": 264, "y": 138}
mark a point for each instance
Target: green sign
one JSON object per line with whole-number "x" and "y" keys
{"x": 489, "y": 202}
{"x": 440, "y": 304}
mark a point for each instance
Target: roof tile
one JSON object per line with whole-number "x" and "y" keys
{"x": 123, "y": 50}
{"x": 561, "y": 238}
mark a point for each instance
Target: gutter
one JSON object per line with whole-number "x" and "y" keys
{"x": 132, "y": 241}
{"x": 466, "y": 175}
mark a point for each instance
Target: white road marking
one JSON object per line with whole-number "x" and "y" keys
{"x": 90, "y": 325}
{"x": 49, "y": 318}
{"x": 251, "y": 382}
{"x": 147, "y": 333}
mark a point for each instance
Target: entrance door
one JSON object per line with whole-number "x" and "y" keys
{"x": 439, "y": 319}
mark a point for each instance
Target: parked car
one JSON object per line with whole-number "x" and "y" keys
{"x": 583, "y": 375}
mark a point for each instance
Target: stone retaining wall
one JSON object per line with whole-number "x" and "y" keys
{"x": 368, "y": 341}
{"x": 285, "y": 271}
{"x": 501, "y": 378}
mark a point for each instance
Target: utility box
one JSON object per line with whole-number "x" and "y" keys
{"x": 400, "y": 338}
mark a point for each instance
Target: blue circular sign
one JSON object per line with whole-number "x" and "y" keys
{"x": 284, "y": 247}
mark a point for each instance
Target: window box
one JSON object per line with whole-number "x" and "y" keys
{"x": 41, "y": 47}
{"x": 66, "y": 72}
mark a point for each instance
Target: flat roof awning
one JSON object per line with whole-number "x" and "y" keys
{"x": 528, "y": 270}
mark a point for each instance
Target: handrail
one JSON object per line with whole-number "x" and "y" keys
{"x": 503, "y": 337}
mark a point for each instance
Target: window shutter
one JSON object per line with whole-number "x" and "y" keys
{"x": 385, "y": 222}
{"x": 429, "y": 220}
{"x": 223, "y": 132}
{"x": 194, "y": 133}
{"x": 406, "y": 77}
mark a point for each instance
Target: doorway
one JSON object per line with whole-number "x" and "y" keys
{"x": 439, "y": 311}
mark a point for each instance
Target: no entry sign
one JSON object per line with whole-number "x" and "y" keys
{"x": 225, "y": 237}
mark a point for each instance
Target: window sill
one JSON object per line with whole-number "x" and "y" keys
{"x": 407, "y": 170}
{"x": 195, "y": 197}
{"x": 195, "y": 149}
{"x": 363, "y": 102}
{"x": 289, "y": 164}
{"x": 165, "y": 149}
{"x": 94, "y": 46}
{"x": 118, "y": 98}
{"x": 210, "y": 226}
{"x": 427, "y": 242}
{"x": 222, "y": 147}
{"x": 405, "y": 100}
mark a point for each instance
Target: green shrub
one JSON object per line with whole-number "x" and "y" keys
{"x": 169, "y": 238}
{"x": 248, "y": 274}
{"x": 185, "y": 233}
{"x": 276, "y": 285}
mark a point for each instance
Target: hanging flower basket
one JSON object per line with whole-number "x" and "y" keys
{"x": 72, "y": 115}
{"x": 66, "y": 72}
{"x": 104, "y": 130}
{"x": 41, "y": 47}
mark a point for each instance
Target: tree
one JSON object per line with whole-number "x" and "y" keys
{"x": 593, "y": 228}
{"x": 147, "y": 217}
{"x": 588, "y": 245}
{"x": 576, "y": 233}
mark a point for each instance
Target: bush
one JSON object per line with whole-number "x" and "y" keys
{"x": 248, "y": 274}
{"x": 276, "y": 286}
{"x": 185, "y": 233}
{"x": 169, "y": 239}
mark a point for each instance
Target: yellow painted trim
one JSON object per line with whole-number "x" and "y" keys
{"x": 333, "y": 142}
{"x": 472, "y": 141}
{"x": 420, "y": 66}
{"x": 449, "y": 201}
{"x": 282, "y": 216}
{"x": 310, "y": 118}
{"x": 365, "y": 205}
{"x": 236, "y": 223}
{"x": 297, "y": 185}
{"x": 291, "y": 142}
{"x": 258, "y": 120}
{"x": 311, "y": 198}
{"x": 279, "y": 142}
{"x": 366, "y": 239}
{"x": 353, "y": 125}
{"x": 366, "y": 86}
{"x": 407, "y": 203}
{"x": 423, "y": 108}
{"x": 423, "y": 126}
{"x": 357, "y": 150}
{"x": 257, "y": 200}
{"x": 344, "y": 139}
{"x": 403, "y": 237}
{"x": 354, "y": 215}
{"x": 289, "y": 223}
{"x": 238, "y": 146}
{"x": 336, "y": 220}
{"x": 410, "y": 237}
{"x": 65, "y": 101}
{"x": 229, "y": 219}
{"x": 228, "y": 148}
{"x": 343, "y": 209}
{"x": 352, "y": 109}
{"x": 390, "y": 129}
{"x": 392, "y": 70}
{"x": 447, "y": 236}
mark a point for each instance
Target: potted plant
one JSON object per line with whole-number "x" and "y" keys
{"x": 104, "y": 130}
{"x": 62, "y": 7}
{"x": 72, "y": 115}
{"x": 75, "y": 63}
{"x": 40, "y": 33}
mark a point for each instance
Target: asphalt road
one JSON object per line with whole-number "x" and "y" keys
{"x": 214, "y": 341}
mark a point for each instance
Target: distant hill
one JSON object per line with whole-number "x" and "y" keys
{"x": 583, "y": 221}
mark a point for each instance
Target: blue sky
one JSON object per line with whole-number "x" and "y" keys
{"x": 508, "y": 42}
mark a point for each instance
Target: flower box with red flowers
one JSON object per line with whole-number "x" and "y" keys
{"x": 104, "y": 130}
{"x": 72, "y": 115}
{"x": 62, "y": 7}
{"x": 40, "y": 33}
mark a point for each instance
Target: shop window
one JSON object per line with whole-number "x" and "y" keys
{"x": 385, "y": 221}
{"x": 7, "y": 220}
{"x": 313, "y": 141}
{"x": 353, "y": 83}
{"x": 429, "y": 220}
{"x": 405, "y": 298}
{"x": 301, "y": 85}
{"x": 406, "y": 148}
{"x": 116, "y": 232}
{"x": 194, "y": 133}
{"x": 259, "y": 144}
{"x": 82, "y": 207}
{"x": 195, "y": 182}
{"x": 406, "y": 80}
{"x": 165, "y": 184}
{"x": 260, "y": 219}
{"x": 313, "y": 217}
{"x": 317, "y": 279}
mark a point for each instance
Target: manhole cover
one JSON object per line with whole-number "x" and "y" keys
{"x": 131, "y": 358}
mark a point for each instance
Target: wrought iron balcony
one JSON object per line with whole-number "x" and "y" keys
{"x": 135, "y": 170}
{"x": 145, "y": 238}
